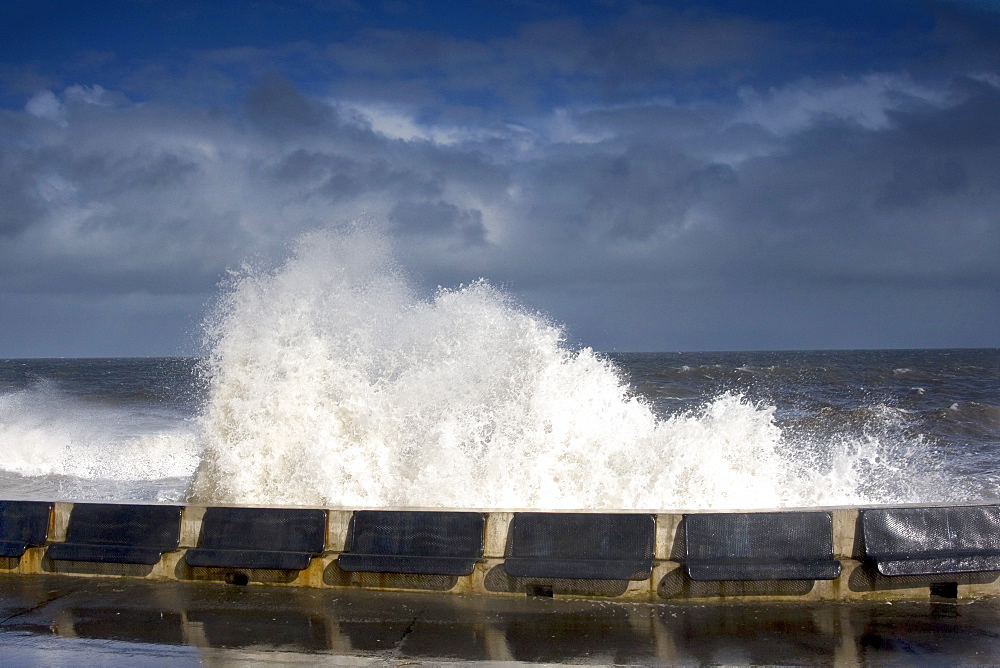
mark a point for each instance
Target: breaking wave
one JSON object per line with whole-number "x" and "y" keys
{"x": 74, "y": 448}
{"x": 331, "y": 382}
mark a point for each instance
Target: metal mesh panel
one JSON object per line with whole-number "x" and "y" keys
{"x": 22, "y": 523}
{"x": 96, "y": 567}
{"x": 406, "y": 564}
{"x": 336, "y": 577}
{"x": 760, "y": 546}
{"x": 914, "y": 541}
{"x": 260, "y": 538}
{"x": 119, "y": 533}
{"x": 677, "y": 584}
{"x": 115, "y": 554}
{"x": 581, "y": 546}
{"x": 277, "y": 529}
{"x": 418, "y": 542}
{"x": 500, "y": 581}
{"x": 240, "y": 575}
{"x": 868, "y": 578}
{"x": 126, "y": 525}
{"x": 292, "y": 561}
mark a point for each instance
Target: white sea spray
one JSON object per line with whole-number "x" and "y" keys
{"x": 48, "y": 432}
{"x": 332, "y": 383}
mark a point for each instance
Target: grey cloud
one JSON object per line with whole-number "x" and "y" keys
{"x": 341, "y": 177}
{"x": 406, "y": 53}
{"x": 817, "y": 211}
{"x": 19, "y": 203}
{"x": 653, "y": 40}
{"x": 628, "y": 196}
{"x": 275, "y": 105}
{"x": 972, "y": 124}
{"x": 661, "y": 202}
{"x": 103, "y": 175}
{"x": 963, "y": 40}
{"x": 439, "y": 219}
{"x": 833, "y": 204}
{"x": 649, "y": 50}
{"x": 134, "y": 324}
{"x": 915, "y": 181}
{"x": 161, "y": 199}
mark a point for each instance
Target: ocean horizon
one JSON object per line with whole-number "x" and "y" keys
{"x": 732, "y": 429}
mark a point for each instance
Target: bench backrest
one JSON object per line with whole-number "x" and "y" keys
{"x": 23, "y": 524}
{"x": 581, "y": 545}
{"x": 760, "y": 546}
{"x": 414, "y": 542}
{"x": 264, "y": 529}
{"x": 416, "y": 533}
{"x": 890, "y": 532}
{"x": 124, "y": 524}
{"x": 758, "y": 536}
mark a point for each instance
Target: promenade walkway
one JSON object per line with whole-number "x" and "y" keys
{"x": 56, "y": 620}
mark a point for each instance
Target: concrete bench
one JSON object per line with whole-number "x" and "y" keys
{"x": 415, "y": 542}
{"x": 269, "y": 538}
{"x": 589, "y": 546}
{"x": 23, "y": 524}
{"x": 119, "y": 533}
{"x": 929, "y": 541}
{"x": 760, "y": 546}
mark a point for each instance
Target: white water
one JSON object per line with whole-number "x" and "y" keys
{"x": 332, "y": 383}
{"x": 57, "y": 446}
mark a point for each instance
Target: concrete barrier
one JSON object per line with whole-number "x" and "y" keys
{"x": 858, "y": 580}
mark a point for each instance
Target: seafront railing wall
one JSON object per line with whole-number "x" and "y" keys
{"x": 869, "y": 553}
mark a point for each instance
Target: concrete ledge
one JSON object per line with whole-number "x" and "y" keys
{"x": 859, "y": 580}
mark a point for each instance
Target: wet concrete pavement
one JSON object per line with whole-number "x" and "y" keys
{"x": 58, "y": 620}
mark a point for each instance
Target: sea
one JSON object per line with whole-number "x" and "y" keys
{"x": 331, "y": 379}
{"x": 835, "y": 427}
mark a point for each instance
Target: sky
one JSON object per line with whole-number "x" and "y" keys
{"x": 655, "y": 176}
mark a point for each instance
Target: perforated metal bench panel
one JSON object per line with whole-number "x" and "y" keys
{"x": 269, "y": 559}
{"x": 119, "y": 533}
{"x": 928, "y": 541}
{"x": 760, "y": 546}
{"x": 22, "y": 524}
{"x": 272, "y": 538}
{"x": 415, "y": 542}
{"x": 592, "y": 546}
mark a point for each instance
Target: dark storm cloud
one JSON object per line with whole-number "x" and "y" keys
{"x": 651, "y": 40}
{"x": 439, "y": 219}
{"x": 276, "y": 106}
{"x": 20, "y": 205}
{"x": 828, "y": 190}
{"x": 660, "y": 178}
{"x": 647, "y": 50}
{"x": 770, "y": 230}
{"x": 900, "y": 203}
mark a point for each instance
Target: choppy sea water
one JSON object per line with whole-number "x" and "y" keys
{"x": 727, "y": 430}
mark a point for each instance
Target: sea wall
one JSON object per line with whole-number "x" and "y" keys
{"x": 859, "y": 579}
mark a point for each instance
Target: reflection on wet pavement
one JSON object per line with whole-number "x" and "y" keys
{"x": 59, "y": 620}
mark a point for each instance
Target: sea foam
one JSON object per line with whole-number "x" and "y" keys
{"x": 69, "y": 444}
{"x": 333, "y": 383}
